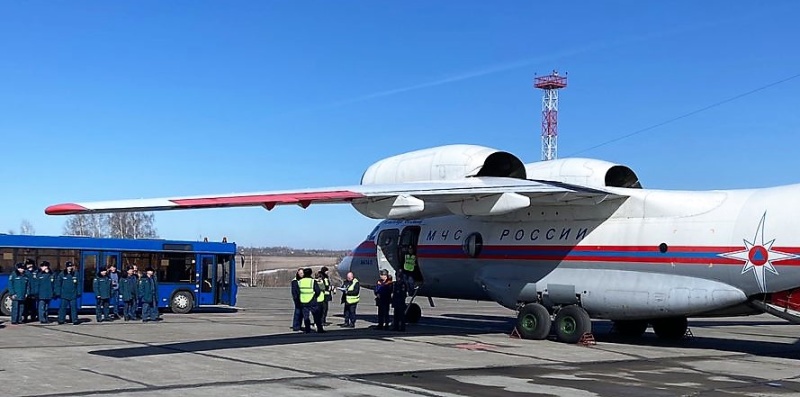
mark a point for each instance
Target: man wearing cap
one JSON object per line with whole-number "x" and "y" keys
{"x": 113, "y": 276}
{"x": 68, "y": 290}
{"x": 128, "y": 286}
{"x": 149, "y": 294}
{"x": 45, "y": 286}
{"x": 18, "y": 289}
{"x": 102, "y": 292}
{"x": 383, "y": 299}
{"x": 30, "y": 313}
{"x": 327, "y": 288}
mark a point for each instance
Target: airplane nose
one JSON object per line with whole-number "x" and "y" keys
{"x": 344, "y": 266}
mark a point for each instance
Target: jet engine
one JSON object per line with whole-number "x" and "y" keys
{"x": 441, "y": 163}
{"x": 584, "y": 172}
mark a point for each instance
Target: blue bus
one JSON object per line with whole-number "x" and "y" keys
{"x": 190, "y": 274}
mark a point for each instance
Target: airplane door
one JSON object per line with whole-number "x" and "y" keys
{"x": 409, "y": 238}
{"x": 388, "y": 242}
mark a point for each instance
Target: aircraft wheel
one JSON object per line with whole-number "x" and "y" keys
{"x": 630, "y": 328}
{"x": 670, "y": 328}
{"x": 414, "y": 313}
{"x": 533, "y": 322}
{"x": 571, "y": 323}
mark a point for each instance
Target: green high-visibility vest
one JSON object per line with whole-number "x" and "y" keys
{"x": 306, "y": 289}
{"x": 355, "y": 298}
{"x": 321, "y": 296}
{"x": 411, "y": 263}
{"x": 327, "y": 283}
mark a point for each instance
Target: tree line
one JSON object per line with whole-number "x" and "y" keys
{"x": 116, "y": 225}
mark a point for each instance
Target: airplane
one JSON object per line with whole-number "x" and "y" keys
{"x": 562, "y": 241}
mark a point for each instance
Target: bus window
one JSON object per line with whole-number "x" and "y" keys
{"x": 47, "y": 255}
{"x": 6, "y": 260}
{"x": 208, "y": 273}
{"x": 64, "y": 256}
{"x": 177, "y": 268}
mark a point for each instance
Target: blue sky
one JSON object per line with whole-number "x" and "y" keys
{"x": 112, "y": 100}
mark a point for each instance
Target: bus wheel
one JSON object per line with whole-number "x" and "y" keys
{"x": 5, "y": 304}
{"x": 182, "y": 302}
{"x": 414, "y": 313}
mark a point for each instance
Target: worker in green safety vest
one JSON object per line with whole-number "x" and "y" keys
{"x": 309, "y": 294}
{"x": 410, "y": 267}
{"x": 350, "y": 297}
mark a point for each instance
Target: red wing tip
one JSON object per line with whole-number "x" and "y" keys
{"x": 65, "y": 209}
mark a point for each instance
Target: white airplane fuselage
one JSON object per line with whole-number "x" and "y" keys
{"x": 649, "y": 255}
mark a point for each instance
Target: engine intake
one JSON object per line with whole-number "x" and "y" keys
{"x": 449, "y": 162}
{"x": 585, "y": 172}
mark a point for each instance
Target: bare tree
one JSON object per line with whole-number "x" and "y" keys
{"x": 131, "y": 225}
{"x": 89, "y": 225}
{"x": 116, "y": 225}
{"x": 11, "y": 232}
{"x": 26, "y": 228}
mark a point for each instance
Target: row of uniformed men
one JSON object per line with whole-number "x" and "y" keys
{"x": 42, "y": 286}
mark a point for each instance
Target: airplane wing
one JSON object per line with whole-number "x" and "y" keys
{"x": 470, "y": 196}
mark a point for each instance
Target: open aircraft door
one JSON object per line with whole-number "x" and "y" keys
{"x": 388, "y": 252}
{"x": 409, "y": 240}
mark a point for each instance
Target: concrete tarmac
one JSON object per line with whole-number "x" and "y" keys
{"x": 458, "y": 349}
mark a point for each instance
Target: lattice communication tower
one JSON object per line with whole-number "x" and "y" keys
{"x": 550, "y": 85}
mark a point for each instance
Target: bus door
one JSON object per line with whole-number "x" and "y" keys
{"x": 223, "y": 293}
{"x": 112, "y": 258}
{"x": 208, "y": 278}
{"x": 87, "y": 271}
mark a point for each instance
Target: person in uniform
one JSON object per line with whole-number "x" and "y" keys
{"x": 297, "y": 316}
{"x": 68, "y": 290}
{"x": 399, "y": 294}
{"x": 45, "y": 288}
{"x": 149, "y": 295}
{"x": 129, "y": 289}
{"x": 327, "y": 290}
{"x": 18, "y": 289}
{"x": 410, "y": 267}
{"x": 102, "y": 292}
{"x": 383, "y": 298}
{"x": 309, "y": 292}
{"x": 30, "y": 313}
{"x": 113, "y": 301}
{"x": 319, "y": 299}
{"x": 350, "y": 297}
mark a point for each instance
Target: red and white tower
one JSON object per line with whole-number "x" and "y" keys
{"x": 550, "y": 85}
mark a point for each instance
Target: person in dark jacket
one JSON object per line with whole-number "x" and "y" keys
{"x": 383, "y": 298}
{"x": 148, "y": 293}
{"x": 18, "y": 289}
{"x": 45, "y": 287}
{"x": 399, "y": 294}
{"x": 68, "y": 290}
{"x": 129, "y": 286}
{"x": 102, "y": 292}
{"x": 297, "y": 316}
{"x": 327, "y": 290}
{"x": 351, "y": 289}
{"x": 30, "y": 313}
{"x": 113, "y": 301}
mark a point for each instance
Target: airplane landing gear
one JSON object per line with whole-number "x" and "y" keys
{"x": 670, "y": 328}
{"x": 571, "y": 323}
{"x": 413, "y": 313}
{"x": 630, "y": 328}
{"x": 533, "y": 322}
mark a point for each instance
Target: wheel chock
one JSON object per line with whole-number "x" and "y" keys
{"x": 515, "y": 334}
{"x": 587, "y": 339}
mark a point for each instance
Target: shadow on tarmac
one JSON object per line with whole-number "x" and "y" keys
{"x": 463, "y": 325}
